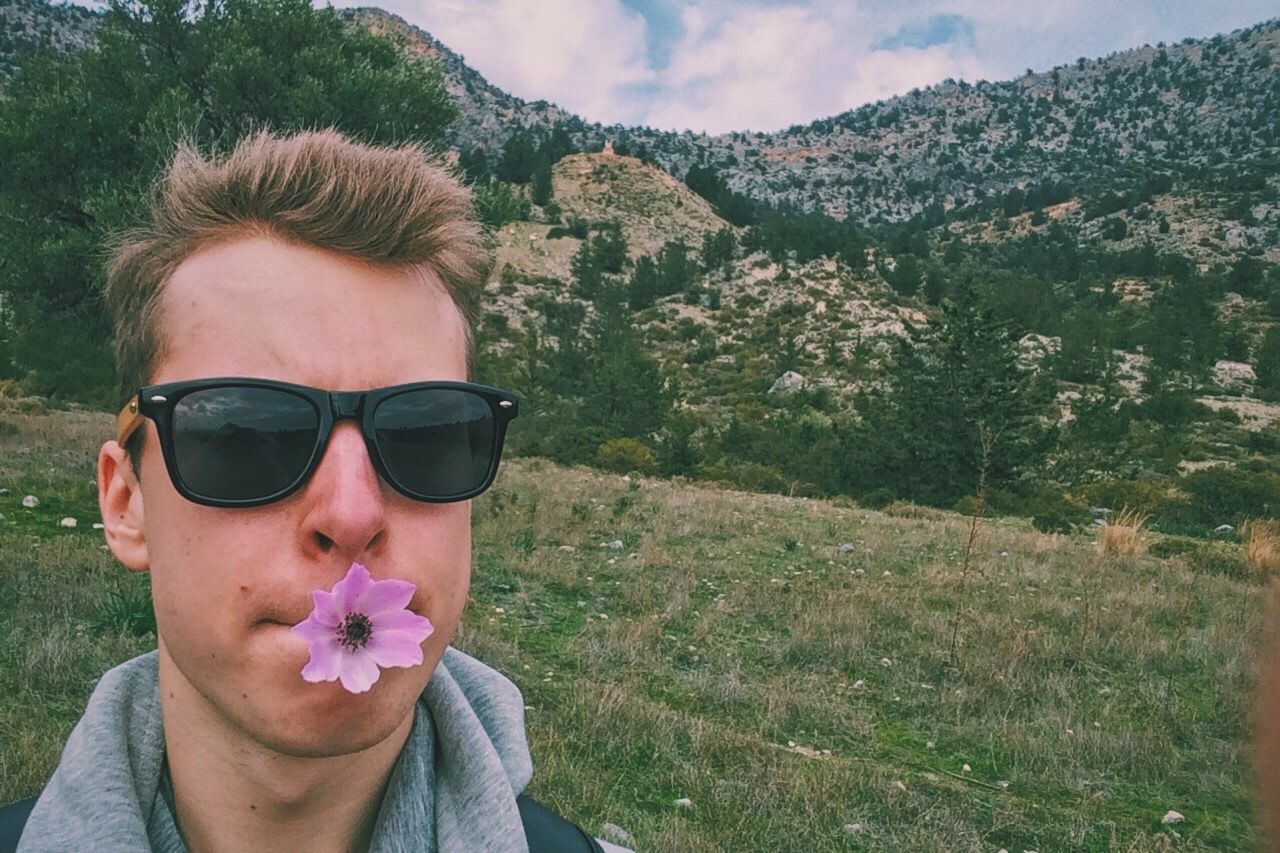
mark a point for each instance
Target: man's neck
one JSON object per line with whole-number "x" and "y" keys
{"x": 233, "y": 794}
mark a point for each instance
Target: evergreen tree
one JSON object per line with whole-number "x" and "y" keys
{"x": 587, "y": 276}
{"x": 1267, "y": 364}
{"x": 675, "y": 272}
{"x": 919, "y": 436}
{"x": 84, "y": 132}
{"x": 518, "y": 159}
{"x": 609, "y": 247}
{"x": 625, "y": 396}
{"x": 642, "y": 288}
{"x": 718, "y": 249}
{"x": 540, "y": 191}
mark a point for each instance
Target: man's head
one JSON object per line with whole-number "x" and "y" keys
{"x": 318, "y": 261}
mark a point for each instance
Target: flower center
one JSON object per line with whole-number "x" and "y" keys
{"x": 355, "y": 631}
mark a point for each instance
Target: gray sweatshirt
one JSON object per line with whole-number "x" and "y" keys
{"x": 453, "y": 787}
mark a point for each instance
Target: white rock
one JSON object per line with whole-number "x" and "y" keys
{"x": 30, "y": 501}
{"x": 568, "y": 549}
{"x": 615, "y": 544}
{"x": 898, "y": 784}
{"x": 928, "y": 744}
{"x": 966, "y": 769}
{"x": 613, "y": 832}
{"x": 97, "y": 525}
{"x": 1004, "y": 784}
{"x": 67, "y": 522}
{"x": 1172, "y": 817}
{"x": 846, "y": 547}
{"x": 853, "y": 828}
{"x": 684, "y": 803}
{"x": 886, "y": 662}
{"x": 859, "y": 684}
{"x": 788, "y": 383}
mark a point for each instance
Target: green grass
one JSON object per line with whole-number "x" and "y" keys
{"x": 1088, "y": 696}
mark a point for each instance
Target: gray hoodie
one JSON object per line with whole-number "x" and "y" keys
{"x": 453, "y": 787}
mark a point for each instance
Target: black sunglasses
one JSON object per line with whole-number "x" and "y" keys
{"x": 239, "y": 442}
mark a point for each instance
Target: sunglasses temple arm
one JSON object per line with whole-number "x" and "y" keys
{"x": 128, "y": 421}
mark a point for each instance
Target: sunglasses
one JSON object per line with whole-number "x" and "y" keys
{"x": 241, "y": 442}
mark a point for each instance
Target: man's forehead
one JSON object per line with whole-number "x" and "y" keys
{"x": 259, "y": 307}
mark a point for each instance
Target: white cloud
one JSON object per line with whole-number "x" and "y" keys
{"x": 741, "y": 65}
{"x": 581, "y": 54}
{"x": 765, "y": 68}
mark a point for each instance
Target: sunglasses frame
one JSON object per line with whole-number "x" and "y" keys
{"x": 157, "y": 402}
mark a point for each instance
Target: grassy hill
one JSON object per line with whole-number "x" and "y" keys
{"x": 809, "y": 675}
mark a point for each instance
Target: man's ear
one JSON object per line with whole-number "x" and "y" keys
{"x": 120, "y": 501}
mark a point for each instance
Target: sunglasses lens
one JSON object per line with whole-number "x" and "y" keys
{"x": 437, "y": 442}
{"x": 242, "y": 443}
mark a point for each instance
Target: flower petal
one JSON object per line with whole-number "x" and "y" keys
{"x": 349, "y": 589}
{"x": 384, "y": 595}
{"x": 325, "y": 661}
{"x": 326, "y": 608}
{"x": 313, "y": 628}
{"x": 417, "y": 627}
{"x": 393, "y": 648}
{"x": 358, "y": 671}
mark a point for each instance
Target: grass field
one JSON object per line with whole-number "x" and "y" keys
{"x": 801, "y": 696}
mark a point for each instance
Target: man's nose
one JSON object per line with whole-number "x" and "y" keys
{"x": 345, "y": 496}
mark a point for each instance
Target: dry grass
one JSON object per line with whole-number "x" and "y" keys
{"x": 1123, "y": 536}
{"x": 1262, "y": 547}
{"x": 739, "y": 641}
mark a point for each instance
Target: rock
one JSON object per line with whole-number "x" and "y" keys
{"x": 4, "y": 491}
{"x": 859, "y": 684}
{"x": 97, "y": 525}
{"x": 684, "y": 803}
{"x": 788, "y": 383}
{"x": 615, "y": 544}
{"x": 846, "y": 547}
{"x": 67, "y": 522}
{"x": 30, "y": 501}
{"x": 1234, "y": 375}
{"x": 1224, "y": 528}
{"x": 1172, "y": 817}
{"x": 568, "y": 549}
{"x": 853, "y": 828}
{"x": 1034, "y": 349}
{"x": 613, "y": 832}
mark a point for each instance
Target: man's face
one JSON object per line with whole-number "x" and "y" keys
{"x": 228, "y": 582}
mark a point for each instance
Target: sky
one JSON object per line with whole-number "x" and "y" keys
{"x": 720, "y": 65}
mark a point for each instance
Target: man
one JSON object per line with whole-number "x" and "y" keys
{"x": 292, "y": 268}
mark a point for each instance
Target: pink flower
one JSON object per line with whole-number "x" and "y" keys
{"x": 359, "y": 626}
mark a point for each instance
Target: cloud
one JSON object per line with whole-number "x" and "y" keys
{"x": 765, "y": 68}
{"x": 576, "y": 53}
{"x": 721, "y": 65}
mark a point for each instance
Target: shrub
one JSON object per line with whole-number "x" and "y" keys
{"x": 1262, "y": 547}
{"x": 1227, "y": 495}
{"x": 1122, "y": 537}
{"x": 126, "y": 608}
{"x": 1173, "y": 546}
{"x": 1154, "y": 498}
{"x": 1218, "y": 558}
{"x": 621, "y": 455}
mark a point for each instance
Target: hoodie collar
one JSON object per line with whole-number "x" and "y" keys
{"x": 452, "y": 788}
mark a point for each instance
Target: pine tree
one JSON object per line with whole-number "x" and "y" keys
{"x": 84, "y": 132}
{"x": 918, "y": 437}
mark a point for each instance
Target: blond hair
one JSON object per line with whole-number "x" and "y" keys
{"x": 399, "y": 206}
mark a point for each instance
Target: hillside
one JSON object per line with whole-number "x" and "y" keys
{"x": 806, "y": 674}
{"x": 1118, "y": 218}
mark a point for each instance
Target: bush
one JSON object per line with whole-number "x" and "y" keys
{"x": 1227, "y": 495}
{"x": 622, "y": 455}
{"x": 1173, "y": 546}
{"x": 1154, "y": 498}
{"x": 1218, "y": 558}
